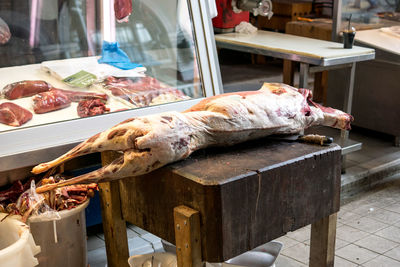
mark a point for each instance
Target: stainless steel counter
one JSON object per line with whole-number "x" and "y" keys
{"x": 313, "y": 55}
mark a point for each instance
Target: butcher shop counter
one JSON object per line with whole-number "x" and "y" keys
{"x": 314, "y": 56}
{"x": 50, "y": 134}
{"x": 222, "y": 202}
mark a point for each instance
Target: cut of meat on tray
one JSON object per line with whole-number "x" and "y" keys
{"x": 24, "y": 89}
{"x": 150, "y": 142}
{"x": 76, "y": 96}
{"x": 143, "y": 99}
{"x": 91, "y": 107}
{"x": 14, "y": 115}
{"x": 50, "y": 101}
{"x": 134, "y": 84}
{"x": 142, "y": 91}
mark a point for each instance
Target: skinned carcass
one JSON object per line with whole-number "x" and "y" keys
{"x": 150, "y": 142}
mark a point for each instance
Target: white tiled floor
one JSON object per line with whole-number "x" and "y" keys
{"x": 139, "y": 242}
{"x": 368, "y": 232}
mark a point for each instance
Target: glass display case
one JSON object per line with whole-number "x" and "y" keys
{"x": 367, "y": 15}
{"x": 72, "y": 68}
{"x": 379, "y": 12}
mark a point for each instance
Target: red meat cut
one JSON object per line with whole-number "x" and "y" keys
{"x": 140, "y": 91}
{"x": 76, "y": 96}
{"x": 24, "y": 88}
{"x": 87, "y": 108}
{"x": 14, "y": 115}
{"x": 50, "y": 101}
{"x": 133, "y": 84}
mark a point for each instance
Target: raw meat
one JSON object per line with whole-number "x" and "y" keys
{"x": 141, "y": 91}
{"x": 50, "y": 101}
{"x": 14, "y": 115}
{"x": 12, "y": 193}
{"x": 76, "y": 96}
{"x": 5, "y": 33}
{"x": 92, "y": 107}
{"x": 21, "y": 199}
{"x": 24, "y": 88}
{"x": 122, "y": 10}
{"x": 150, "y": 142}
{"x": 133, "y": 84}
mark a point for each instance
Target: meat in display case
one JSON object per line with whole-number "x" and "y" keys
{"x": 72, "y": 68}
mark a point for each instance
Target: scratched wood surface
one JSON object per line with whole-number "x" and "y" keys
{"x": 246, "y": 194}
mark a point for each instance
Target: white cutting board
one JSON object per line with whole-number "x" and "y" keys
{"x": 292, "y": 44}
{"x": 380, "y": 40}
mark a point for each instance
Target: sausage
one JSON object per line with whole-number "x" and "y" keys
{"x": 50, "y": 101}
{"x": 24, "y": 88}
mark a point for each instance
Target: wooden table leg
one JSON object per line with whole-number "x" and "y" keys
{"x": 187, "y": 237}
{"x": 114, "y": 225}
{"x": 348, "y": 101}
{"x": 288, "y": 71}
{"x": 323, "y": 236}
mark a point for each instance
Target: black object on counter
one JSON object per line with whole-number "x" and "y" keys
{"x": 348, "y": 39}
{"x": 348, "y": 35}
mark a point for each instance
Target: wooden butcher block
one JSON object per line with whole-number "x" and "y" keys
{"x": 247, "y": 194}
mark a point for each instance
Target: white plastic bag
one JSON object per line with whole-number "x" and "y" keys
{"x": 31, "y": 203}
{"x": 17, "y": 247}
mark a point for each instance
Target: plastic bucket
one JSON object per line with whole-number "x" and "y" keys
{"x": 63, "y": 242}
{"x": 17, "y": 248}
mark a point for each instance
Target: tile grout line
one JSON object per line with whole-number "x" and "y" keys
{"x": 294, "y": 259}
{"x": 391, "y": 257}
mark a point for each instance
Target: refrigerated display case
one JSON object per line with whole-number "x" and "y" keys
{"x": 371, "y": 14}
{"x": 168, "y": 62}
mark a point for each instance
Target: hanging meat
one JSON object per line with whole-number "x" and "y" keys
{"x": 5, "y": 33}
{"x": 91, "y": 107}
{"x": 14, "y": 115}
{"x": 122, "y": 10}
{"x": 24, "y": 89}
{"x": 149, "y": 142}
{"x": 50, "y": 101}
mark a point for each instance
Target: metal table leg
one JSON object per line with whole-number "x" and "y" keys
{"x": 304, "y": 68}
{"x": 348, "y": 101}
{"x": 303, "y": 82}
